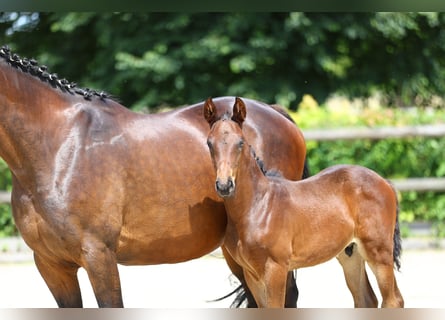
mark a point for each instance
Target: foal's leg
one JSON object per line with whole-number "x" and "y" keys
{"x": 357, "y": 279}
{"x": 269, "y": 287}
{"x": 61, "y": 279}
{"x": 100, "y": 264}
{"x": 291, "y": 285}
{"x": 384, "y": 273}
{"x": 238, "y": 272}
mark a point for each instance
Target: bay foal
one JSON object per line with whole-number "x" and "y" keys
{"x": 276, "y": 225}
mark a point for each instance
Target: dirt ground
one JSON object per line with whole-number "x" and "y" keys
{"x": 193, "y": 284}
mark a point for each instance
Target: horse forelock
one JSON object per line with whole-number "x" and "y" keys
{"x": 31, "y": 67}
{"x": 225, "y": 116}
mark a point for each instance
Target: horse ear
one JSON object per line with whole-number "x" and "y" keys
{"x": 239, "y": 111}
{"x": 210, "y": 111}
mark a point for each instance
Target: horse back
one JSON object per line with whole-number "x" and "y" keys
{"x": 360, "y": 190}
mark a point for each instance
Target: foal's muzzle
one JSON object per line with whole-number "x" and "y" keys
{"x": 225, "y": 189}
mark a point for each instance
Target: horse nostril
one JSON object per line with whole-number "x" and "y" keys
{"x": 220, "y": 187}
{"x": 224, "y": 189}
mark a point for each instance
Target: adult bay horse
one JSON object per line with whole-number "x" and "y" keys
{"x": 95, "y": 184}
{"x": 276, "y": 225}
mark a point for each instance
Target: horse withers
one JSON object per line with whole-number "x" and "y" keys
{"x": 276, "y": 225}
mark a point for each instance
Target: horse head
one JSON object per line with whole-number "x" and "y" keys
{"x": 225, "y": 142}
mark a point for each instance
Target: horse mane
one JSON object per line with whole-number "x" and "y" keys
{"x": 31, "y": 66}
{"x": 262, "y": 166}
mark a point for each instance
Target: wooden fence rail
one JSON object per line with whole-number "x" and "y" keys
{"x": 430, "y": 131}
{"x": 420, "y": 184}
{"x": 409, "y": 184}
{"x": 5, "y": 197}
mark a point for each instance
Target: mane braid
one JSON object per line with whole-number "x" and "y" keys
{"x": 32, "y": 67}
{"x": 262, "y": 166}
{"x": 258, "y": 161}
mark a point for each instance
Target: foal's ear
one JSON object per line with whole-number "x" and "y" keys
{"x": 210, "y": 111}
{"x": 239, "y": 111}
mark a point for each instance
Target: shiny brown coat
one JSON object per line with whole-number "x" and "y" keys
{"x": 276, "y": 225}
{"x": 95, "y": 184}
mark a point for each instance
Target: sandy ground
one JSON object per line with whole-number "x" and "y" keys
{"x": 193, "y": 284}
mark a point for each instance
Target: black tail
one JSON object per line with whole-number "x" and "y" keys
{"x": 397, "y": 250}
{"x": 243, "y": 298}
{"x": 306, "y": 171}
{"x": 240, "y": 297}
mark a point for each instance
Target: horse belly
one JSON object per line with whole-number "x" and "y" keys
{"x": 318, "y": 253}
{"x": 173, "y": 234}
{"x": 321, "y": 239}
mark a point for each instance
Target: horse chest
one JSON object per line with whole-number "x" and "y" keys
{"x": 43, "y": 236}
{"x": 247, "y": 247}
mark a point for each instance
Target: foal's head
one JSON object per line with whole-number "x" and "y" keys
{"x": 226, "y": 142}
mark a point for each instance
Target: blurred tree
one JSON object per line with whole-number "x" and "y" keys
{"x": 152, "y": 59}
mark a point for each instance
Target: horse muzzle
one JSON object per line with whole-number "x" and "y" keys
{"x": 225, "y": 189}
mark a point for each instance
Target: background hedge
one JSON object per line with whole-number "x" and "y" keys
{"x": 392, "y": 158}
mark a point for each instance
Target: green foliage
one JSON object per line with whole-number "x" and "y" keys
{"x": 392, "y": 158}
{"x": 149, "y": 60}
{"x": 7, "y": 225}
{"x": 5, "y": 176}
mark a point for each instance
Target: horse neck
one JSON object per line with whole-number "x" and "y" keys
{"x": 29, "y": 118}
{"x": 251, "y": 186}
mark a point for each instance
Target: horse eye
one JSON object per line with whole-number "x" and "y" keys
{"x": 209, "y": 144}
{"x": 240, "y": 144}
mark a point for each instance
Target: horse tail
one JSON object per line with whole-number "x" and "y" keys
{"x": 306, "y": 171}
{"x": 240, "y": 297}
{"x": 397, "y": 250}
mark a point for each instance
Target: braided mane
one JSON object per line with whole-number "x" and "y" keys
{"x": 32, "y": 67}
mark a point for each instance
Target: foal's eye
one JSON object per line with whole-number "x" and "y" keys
{"x": 241, "y": 144}
{"x": 209, "y": 144}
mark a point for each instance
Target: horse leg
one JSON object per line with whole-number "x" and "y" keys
{"x": 100, "y": 264}
{"x": 356, "y": 278}
{"x": 384, "y": 273}
{"x": 276, "y": 277}
{"x": 238, "y": 272}
{"x": 61, "y": 279}
{"x": 381, "y": 262}
{"x": 269, "y": 289}
{"x": 291, "y": 285}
